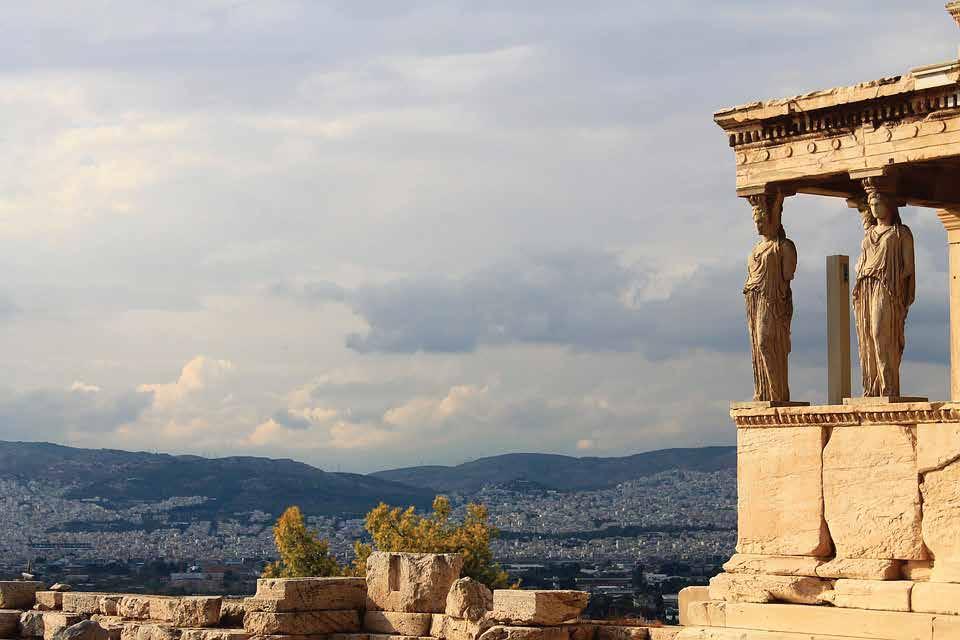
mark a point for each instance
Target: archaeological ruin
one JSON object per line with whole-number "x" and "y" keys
{"x": 404, "y": 596}
{"x": 848, "y": 513}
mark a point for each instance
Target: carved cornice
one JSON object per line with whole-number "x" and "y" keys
{"x": 843, "y": 119}
{"x": 848, "y": 416}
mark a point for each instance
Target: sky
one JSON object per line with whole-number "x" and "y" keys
{"x": 367, "y": 235}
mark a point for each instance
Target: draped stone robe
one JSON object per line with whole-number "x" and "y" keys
{"x": 883, "y": 293}
{"x": 769, "y": 305}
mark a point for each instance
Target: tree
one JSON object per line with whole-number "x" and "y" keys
{"x": 396, "y": 529}
{"x": 302, "y": 552}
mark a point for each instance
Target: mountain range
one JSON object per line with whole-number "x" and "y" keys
{"x": 237, "y": 484}
{"x": 562, "y": 473}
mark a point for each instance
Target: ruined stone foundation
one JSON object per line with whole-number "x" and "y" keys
{"x": 848, "y": 527}
{"x": 405, "y": 596}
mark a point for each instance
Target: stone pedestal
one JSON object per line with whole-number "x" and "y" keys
{"x": 848, "y": 526}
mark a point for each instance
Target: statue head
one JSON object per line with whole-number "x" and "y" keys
{"x": 882, "y": 205}
{"x": 767, "y": 214}
{"x": 866, "y": 214}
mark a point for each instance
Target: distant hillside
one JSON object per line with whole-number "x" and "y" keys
{"x": 236, "y": 484}
{"x": 562, "y": 473}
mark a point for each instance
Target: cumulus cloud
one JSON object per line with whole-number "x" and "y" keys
{"x": 195, "y": 376}
{"x": 423, "y": 411}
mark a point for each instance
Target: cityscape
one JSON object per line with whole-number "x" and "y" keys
{"x": 675, "y": 525}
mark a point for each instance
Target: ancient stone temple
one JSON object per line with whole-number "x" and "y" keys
{"x": 849, "y": 513}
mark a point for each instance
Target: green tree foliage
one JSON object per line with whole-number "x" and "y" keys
{"x": 302, "y": 552}
{"x": 396, "y": 529}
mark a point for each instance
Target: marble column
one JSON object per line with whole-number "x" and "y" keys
{"x": 951, "y": 221}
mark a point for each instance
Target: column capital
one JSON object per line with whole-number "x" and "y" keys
{"x": 953, "y": 8}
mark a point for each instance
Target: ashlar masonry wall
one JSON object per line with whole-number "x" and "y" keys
{"x": 849, "y": 526}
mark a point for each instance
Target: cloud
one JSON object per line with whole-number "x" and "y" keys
{"x": 68, "y": 415}
{"x": 464, "y": 244}
{"x": 423, "y": 411}
{"x": 84, "y": 387}
{"x": 195, "y": 376}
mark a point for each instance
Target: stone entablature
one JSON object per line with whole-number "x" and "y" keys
{"x": 892, "y": 121}
{"x": 908, "y": 413}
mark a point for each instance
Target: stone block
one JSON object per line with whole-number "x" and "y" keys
{"x": 301, "y": 622}
{"x": 154, "y": 631}
{"x": 129, "y": 630}
{"x": 9, "y": 623}
{"x": 779, "y": 492}
{"x": 937, "y": 446}
{"x": 747, "y": 587}
{"x": 611, "y": 632}
{"x": 469, "y": 599}
{"x": 112, "y": 624}
{"x": 889, "y": 595}
{"x": 83, "y": 630}
{"x": 706, "y": 613}
{"x": 916, "y": 570}
{"x": 48, "y": 600}
{"x": 871, "y": 493}
{"x": 663, "y": 633}
{"x": 31, "y": 624}
{"x": 162, "y": 608}
{"x": 110, "y": 604}
{"x": 946, "y": 628}
{"x": 829, "y": 621}
{"x": 945, "y": 571}
{"x": 541, "y": 608}
{"x": 214, "y": 634}
{"x": 383, "y": 636}
{"x": 933, "y": 597}
{"x": 411, "y": 582}
{"x": 82, "y": 602}
{"x": 18, "y": 594}
{"x": 451, "y": 628}
{"x": 231, "y": 612}
{"x": 197, "y": 611}
{"x": 54, "y": 621}
{"x": 398, "y": 623}
{"x": 500, "y": 632}
{"x": 701, "y": 633}
{"x": 282, "y": 595}
{"x": 941, "y": 514}
{"x": 686, "y": 597}
{"x": 583, "y": 631}
{"x": 861, "y": 569}
{"x": 134, "y": 607}
{"x": 773, "y": 565}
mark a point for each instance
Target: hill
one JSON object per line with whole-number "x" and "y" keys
{"x": 563, "y": 473}
{"x": 122, "y": 478}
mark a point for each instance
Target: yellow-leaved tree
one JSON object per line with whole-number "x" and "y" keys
{"x": 302, "y": 552}
{"x": 396, "y": 529}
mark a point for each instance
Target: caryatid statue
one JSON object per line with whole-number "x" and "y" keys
{"x": 885, "y": 289}
{"x": 769, "y": 299}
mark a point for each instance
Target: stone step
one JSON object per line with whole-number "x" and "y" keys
{"x": 822, "y": 620}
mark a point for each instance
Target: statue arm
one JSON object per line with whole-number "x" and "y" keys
{"x": 789, "y": 260}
